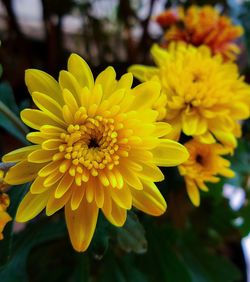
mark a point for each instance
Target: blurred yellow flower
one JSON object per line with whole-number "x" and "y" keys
{"x": 202, "y": 26}
{"x": 4, "y": 216}
{"x": 206, "y": 98}
{"x": 204, "y": 165}
{"x": 97, "y": 147}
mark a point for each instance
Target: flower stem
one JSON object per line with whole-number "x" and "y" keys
{"x": 11, "y": 116}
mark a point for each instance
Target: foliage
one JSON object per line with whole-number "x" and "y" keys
{"x": 187, "y": 244}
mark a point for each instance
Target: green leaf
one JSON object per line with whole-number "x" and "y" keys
{"x": 205, "y": 266}
{"x": 33, "y": 235}
{"x": 16, "y": 194}
{"x": 131, "y": 237}
{"x": 120, "y": 269}
{"x": 162, "y": 262}
{"x": 8, "y": 98}
{"x": 9, "y": 113}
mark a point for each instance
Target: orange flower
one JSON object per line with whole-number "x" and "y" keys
{"x": 169, "y": 17}
{"x": 205, "y": 26}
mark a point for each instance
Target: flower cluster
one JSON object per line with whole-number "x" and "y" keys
{"x": 96, "y": 147}
{"x": 205, "y": 99}
{"x": 201, "y": 26}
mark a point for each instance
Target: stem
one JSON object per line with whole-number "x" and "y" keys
{"x": 17, "y": 122}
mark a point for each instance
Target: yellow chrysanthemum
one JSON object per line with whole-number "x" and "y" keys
{"x": 97, "y": 147}
{"x": 204, "y": 165}
{"x": 206, "y": 98}
{"x": 202, "y": 26}
{"x": 4, "y": 216}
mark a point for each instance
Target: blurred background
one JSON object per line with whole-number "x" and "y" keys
{"x": 42, "y": 33}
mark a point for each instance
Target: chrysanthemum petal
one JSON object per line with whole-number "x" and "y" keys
{"x": 143, "y": 73}
{"x": 125, "y": 82}
{"x": 35, "y": 118}
{"x": 37, "y": 186}
{"x": 41, "y": 156}
{"x": 99, "y": 195}
{"x": 55, "y": 204}
{"x": 31, "y": 206}
{"x": 81, "y": 224}
{"x": 159, "y": 54}
{"x": 169, "y": 153}
{"x": 107, "y": 80}
{"x": 114, "y": 214}
{"x": 64, "y": 185}
{"x": 40, "y": 81}
{"x": 149, "y": 200}
{"x": 131, "y": 178}
{"x": 122, "y": 197}
{"x": 22, "y": 172}
{"x": 193, "y": 193}
{"x": 162, "y": 129}
{"x": 145, "y": 95}
{"x": 77, "y": 196}
{"x": 81, "y": 71}
{"x": 150, "y": 172}
{"x": 68, "y": 81}
{"x": 20, "y": 154}
{"x": 49, "y": 106}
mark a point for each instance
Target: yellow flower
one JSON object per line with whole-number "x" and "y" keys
{"x": 4, "y": 216}
{"x": 206, "y": 98}
{"x": 202, "y": 26}
{"x": 204, "y": 165}
{"x": 97, "y": 147}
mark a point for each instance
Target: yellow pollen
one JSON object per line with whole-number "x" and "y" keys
{"x": 91, "y": 145}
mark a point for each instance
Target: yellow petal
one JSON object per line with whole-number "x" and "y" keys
{"x": 37, "y": 186}
{"x": 114, "y": 214}
{"x": 41, "y": 156}
{"x": 162, "y": 129}
{"x": 143, "y": 73}
{"x": 125, "y": 82}
{"x": 81, "y": 71}
{"x": 122, "y": 197}
{"x": 35, "y": 119}
{"x": 77, "y": 196}
{"x": 81, "y": 224}
{"x": 99, "y": 195}
{"x": 149, "y": 200}
{"x": 107, "y": 80}
{"x": 20, "y": 154}
{"x": 145, "y": 94}
{"x": 64, "y": 185}
{"x": 49, "y": 106}
{"x": 226, "y": 138}
{"x": 70, "y": 101}
{"x": 68, "y": 81}
{"x": 49, "y": 168}
{"x": 131, "y": 178}
{"x": 40, "y": 81}
{"x": 22, "y": 172}
{"x": 150, "y": 172}
{"x": 193, "y": 192}
{"x": 169, "y": 153}
{"x": 54, "y": 205}
{"x": 159, "y": 54}
{"x": 35, "y": 137}
{"x": 31, "y": 206}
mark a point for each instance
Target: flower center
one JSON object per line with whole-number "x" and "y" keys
{"x": 199, "y": 159}
{"x": 89, "y": 147}
{"x": 93, "y": 143}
